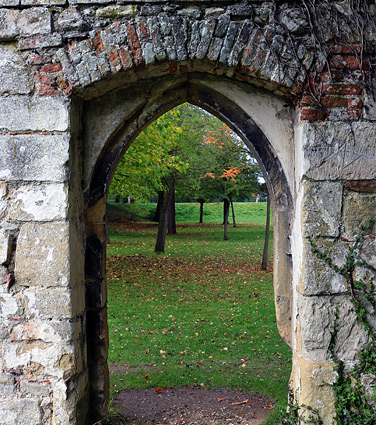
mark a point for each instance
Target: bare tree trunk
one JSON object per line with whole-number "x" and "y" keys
{"x": 201, "y": 210}
{"x": 157, "y": 214}
{"x": 171, "y": 216}
{"x": 232, "y": 211}
{"x": 162, "y": 224}
{"x": 226, "y": 211}
{"x": 264, "y": 263}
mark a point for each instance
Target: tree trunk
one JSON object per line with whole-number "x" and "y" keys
{"x": 264, "y": 263}
{"x": 201, "y": 211}
{"x": 117, "y": 199}
{"x": 157, "y": 214}
{"x": 171, "y": 220}
{"x": 226, "y": 210}
{"x": 162, "y": 224}
{"x": 232, "y": 211}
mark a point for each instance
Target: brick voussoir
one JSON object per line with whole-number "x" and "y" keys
{"x": 242, "y": 38}
{"x": 145, "y": 41}
{"x": 156, "y": 39}
{"x": 207, "y": 32}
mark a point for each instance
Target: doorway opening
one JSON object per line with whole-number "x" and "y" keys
{"x": 192, "y": 332}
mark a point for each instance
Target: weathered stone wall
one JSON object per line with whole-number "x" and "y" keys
{"x": 79, "y": 80}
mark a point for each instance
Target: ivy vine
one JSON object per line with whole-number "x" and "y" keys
{"x": 352, "y": 403}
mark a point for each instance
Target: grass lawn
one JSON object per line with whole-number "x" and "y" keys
{"x": 200, "y": 314}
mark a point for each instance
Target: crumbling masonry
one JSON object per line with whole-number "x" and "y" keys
{"x": 79, "y": 79}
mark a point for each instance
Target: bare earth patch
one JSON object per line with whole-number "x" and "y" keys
{"x": 192, "y": 406}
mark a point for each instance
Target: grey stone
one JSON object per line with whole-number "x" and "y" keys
{"x": 14, "y": 75}
{"x": 339, "y": 150}
{"x": 322, "y": 207}
{"x": 71, "y": 19}
{"x": 319, "y": 278}
{"x": 5, "y": 247}
{"x": 316, "y": 321}
{"x": 40, "y": 41}
{"x": 53, "y": 303}
{"x": 44, "y": 202}
{"x": 9, "y": 306}
{"x": 34, "y": 21}
{"x": 43, "y": 113}
{"x": 43, "y": 2}
{"x": 7, "y": 3}
{"x": 7, "y": 385}
{"x": 8, "y": 24}
{"x": 357, "y": 209}
{"x": 35, "y": 157}
{"x": 9, "y": 408}
{"x": 113, "y": 11}
{"x": 214, "y": 11}
{"x": 190, "y": 12}
{"x": 42, "y": 255}
{"x": 294, "y": 20}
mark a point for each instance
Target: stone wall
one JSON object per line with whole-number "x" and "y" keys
{"x": 79, "y": 79}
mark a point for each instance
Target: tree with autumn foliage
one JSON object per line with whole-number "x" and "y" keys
{"x": 231, "y": 173}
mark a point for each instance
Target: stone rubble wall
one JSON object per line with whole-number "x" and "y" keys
{"x": 55, "y": 55}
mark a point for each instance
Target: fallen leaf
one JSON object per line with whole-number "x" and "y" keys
{"x": 220, "y": 399}
{"x": 147, "y": 377}
{"x": 238, "y": 403}
{"x": 159, "y": 390}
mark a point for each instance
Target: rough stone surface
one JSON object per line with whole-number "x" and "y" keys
{"x": 322, "y": 207}
{"x": 318, "y": 277}
{"x": 34, "y": 157}
{"x": 19, "y": 113}
{"x": 316, "y": 321}
{"x": 357, "y": 209}
{"x": 44, "y": 202}
{"x": 31, "y": 412}
{"x": 340, "y": 151}
{"x": 14, "y": 75}
{"x": 42, "y": 255}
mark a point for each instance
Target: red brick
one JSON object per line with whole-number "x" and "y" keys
{"x": 308, "y": 101}
{"x": 342, "y": 89}
{"x": 361, "y": 186}
{"x": 134, "y": 44}
{"x": 47, "y": 91}
{"x": 346, "y": 62}
{"x": 351, "y": 114}
{"x": 97, "y": 42}
{"x": 334, "y": 101}
{"x": 126, "y": 58}
{"x": 51, "y": 67}
{"x": 313, "y": 114}
{"x": 355, "y": 102}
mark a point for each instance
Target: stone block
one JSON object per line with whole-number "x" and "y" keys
{"x": 316, "y": 320}
{"x": 42, "y": 2}
{"x": 9, "y": 306}
{"x": 36, "y": 388}
{"x": 7, "y": 385}
{"x": 357, "y": 209}
{"x": 53, "y": 303}
{"x": 321, "y": 209}
{"x": 51, "y": 331}
{"x": 8, "y": 24}
{"x": 36, "y": 20}
{"x": 5, "y": 247}
{"x": 38, "y": 359}
{"x": 44, "y": 202}
{"x": 7, "y": 3}
{"x": 32, "y": 21}
{"x": 34, "y": 157}
{"x": 10, "y": 411}
{"x": 319, "y": 278}
{"x": 339, "y": 150}
{"x": 14, "y": 76}
{"x": 315, "y": 388}
{"x": 18, "y": 113}
{"x": 42, "y": 255}
{"x": 116, "y": 12}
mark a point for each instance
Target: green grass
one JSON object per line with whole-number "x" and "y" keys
{"x": 245, "y": 212}
{"x": 201, "y": 314}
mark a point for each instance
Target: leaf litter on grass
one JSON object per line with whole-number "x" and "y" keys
{"x": 202, "y": 314}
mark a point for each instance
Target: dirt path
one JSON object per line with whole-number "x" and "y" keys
{"x": 192, "y": 406}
